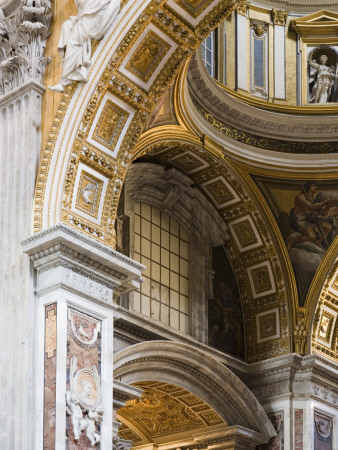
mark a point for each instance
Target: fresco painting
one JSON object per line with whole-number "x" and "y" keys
{"x": 225, "y": 316}
{"x": 306, "y": 212}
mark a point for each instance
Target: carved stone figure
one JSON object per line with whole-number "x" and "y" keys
{"x": 324, "y": 78}
{"x": 75, "y": 411}
{"x": 94, "y": 19}
{"x": 94, "y": 417}
{"x": 83, "y": 402}
{"x": 22, "y": 41}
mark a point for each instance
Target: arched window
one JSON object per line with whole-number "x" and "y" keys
{"x": 162, "y": 245}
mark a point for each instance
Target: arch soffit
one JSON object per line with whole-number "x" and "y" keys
{"x": 98, "y": 123}
{"x": 197, "y": 372}
{"x": 322, "y": 307}
{"x": 253, "y": 239}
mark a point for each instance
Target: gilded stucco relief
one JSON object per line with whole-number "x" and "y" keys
{"x": 163, "y": 410}
{"x": 248, "y": 245}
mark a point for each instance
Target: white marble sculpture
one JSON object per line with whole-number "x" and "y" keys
{"x": 324, "y": 79}
{"x": 83, "y": 402}
{"x": 75, "y": 412}
{"x": 94, "y": 417}
{"x": 94, "y": 19}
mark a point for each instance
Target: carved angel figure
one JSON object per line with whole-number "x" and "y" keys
{"x": 94, "y": 417}
{"x": 94, "y": 19}
{"x": 75, "y": 412}
{"x": 86, "y": 410}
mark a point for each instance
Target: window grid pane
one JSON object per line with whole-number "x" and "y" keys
{"x": 163, "y": 246}
{"x": 207, "y": 49}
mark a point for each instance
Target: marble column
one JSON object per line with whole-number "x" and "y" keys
{"x": 76, "y": 280}
{"x": 22, "y": 64}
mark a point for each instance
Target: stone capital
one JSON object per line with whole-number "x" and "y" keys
{"x": 23, "y": 38}
{"x": 279, "y": 17}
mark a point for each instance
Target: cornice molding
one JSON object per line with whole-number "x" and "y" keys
{"x": 295, "y": 133}
{"x": 297, "y": 6}
{"x": 64, "y": 247}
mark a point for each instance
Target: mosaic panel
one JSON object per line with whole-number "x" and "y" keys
{"x": 225, "y": 314}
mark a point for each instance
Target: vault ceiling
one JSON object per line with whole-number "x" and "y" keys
{"x": 165, "y": 410}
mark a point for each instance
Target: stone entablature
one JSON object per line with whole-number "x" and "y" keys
{"x": 296, "y": 133}
{"x": 309, "y": 376}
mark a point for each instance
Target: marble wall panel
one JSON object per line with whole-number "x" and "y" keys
{"x": 84, "y": 344}
{"x": 50, "y": 377}
{"x": 299, "y": 433}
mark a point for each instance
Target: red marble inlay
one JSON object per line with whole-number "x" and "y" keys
{"x": 49, "y": 378}
{"x": 277, "y": 443}
{"x": 298, "y": 429}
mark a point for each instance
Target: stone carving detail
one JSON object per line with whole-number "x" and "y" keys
{"x": 121, "y": 444}
{"x": 300, "y": 333}
{"x": 323, "y": 76}
{"x": 83, "y": 402}
{"x": 22, "y": 42}
{"x": 95, "y": 18}
{"x": 259, "y": 27}
{"x": 86, "y": 330}
{"x": 279, "y": 16}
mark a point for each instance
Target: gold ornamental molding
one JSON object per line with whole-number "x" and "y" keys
{"x": 106, "y": 115}
{"x": 254, "y": 246}
{"x": 279, "y": 17}
{"x": 321, "y": 23}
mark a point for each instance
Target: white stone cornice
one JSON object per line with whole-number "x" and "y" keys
{"x": 297, "y": 6}
{"x": 65, "y": 257}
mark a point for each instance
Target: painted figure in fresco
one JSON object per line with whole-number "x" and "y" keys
{"x": 226, "y": 332}
{"x": 314, "y": 219}
{"x": 324, "y": 78}
{"x": 94, "y": 19}
{"x": 307, "y": 220}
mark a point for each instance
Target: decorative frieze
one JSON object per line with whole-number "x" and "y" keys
{"x": 22, "y": 42}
